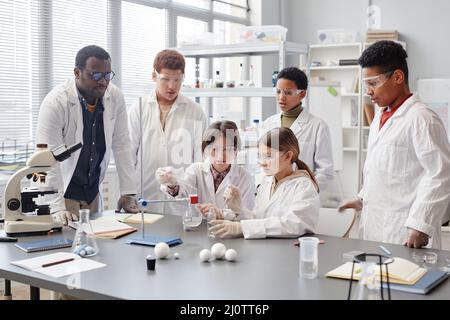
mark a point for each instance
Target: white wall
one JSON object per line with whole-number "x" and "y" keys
{"x": 422, "y": 24}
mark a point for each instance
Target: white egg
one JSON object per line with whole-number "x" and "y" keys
{"x": 218, "y": 250}
{"x": 162, "y": 250}
{"x": 205, "y": 255}
{"x": 231, "y": 255}
{"x": 176, "y": 255}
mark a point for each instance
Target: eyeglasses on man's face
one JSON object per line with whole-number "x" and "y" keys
{"x": 166, "y": 79}
{"x": 375, "y": 82}
{"x": 288, "y": 92}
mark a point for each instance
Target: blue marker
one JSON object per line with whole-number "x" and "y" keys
{"x": 385, "y": 250}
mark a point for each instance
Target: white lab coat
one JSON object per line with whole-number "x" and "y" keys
{"x": 406, "y": 175}
{"x": 61, "y": 122}
{"x": 199, "y": 180}
{"x": 178, "y": 146}
{"x": 291, "y": 211}
{"x": 314, "y": 139}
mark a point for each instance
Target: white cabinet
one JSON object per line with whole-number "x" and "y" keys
{"x": 324, "y": 66}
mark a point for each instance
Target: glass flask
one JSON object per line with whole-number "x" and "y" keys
{"x": 84, "y": 243}
{"x": 192, "y": 217}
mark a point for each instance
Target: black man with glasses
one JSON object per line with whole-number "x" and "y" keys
{"x": 91, "y": 110}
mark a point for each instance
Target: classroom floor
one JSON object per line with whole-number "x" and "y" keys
{"x": 20, "y": 292}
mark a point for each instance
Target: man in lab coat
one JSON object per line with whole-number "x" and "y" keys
{"x": 312, "y": 132}
{"x": 91, "y": 110}
{"x": 407, "y": 171}
{"x": 172, "y": 128}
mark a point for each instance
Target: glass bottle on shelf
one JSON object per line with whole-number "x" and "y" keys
{"x": 218, "y": 82}
{"x": 84, "y": 243}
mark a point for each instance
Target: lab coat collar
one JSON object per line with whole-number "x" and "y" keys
{"x": 72, "y": 94}
{"x": 401, "y": 111}
{"x": 179, "y": 101}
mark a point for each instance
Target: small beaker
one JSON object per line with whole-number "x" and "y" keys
{"x": 368, "y": 287}
{"x": 210, "y": 217}
{"x": 308, "y": 266}
{"x": 84, "y": 243}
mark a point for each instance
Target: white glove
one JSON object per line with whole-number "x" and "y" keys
{"x": 233, "y": 198}
{"x": 226, "y": 229}
{"x": 165, "y": 176}
{"x": 208, "y": 207}
{"x": 65, "y": 216}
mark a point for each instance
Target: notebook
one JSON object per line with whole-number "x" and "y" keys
{"x": 42, "y": 245}
{"x": 153, "y": 240}
{"x": 401, "y": 271}
{"x": 60, "y": 264}
{"x": 108, "y": 229}
{"x": 429, "y": 281}
{"x": 149, "y": 218}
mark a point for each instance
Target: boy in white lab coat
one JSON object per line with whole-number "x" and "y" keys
{"x": 211, "y": 178}
{"x": 312, "y": 132}
{"x": 172, "y": 129}
{"x": 407, "y": 171}
{"x": 287, "y": 201}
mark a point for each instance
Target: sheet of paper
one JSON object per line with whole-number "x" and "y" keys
{"x": 72, "y": 267}
{"x": 37, "y": 262}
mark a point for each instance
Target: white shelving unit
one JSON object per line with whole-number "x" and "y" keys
{"x": 351, "y": 104}
{"x": 280, "y": 49}
{"x": 355, "y": 128}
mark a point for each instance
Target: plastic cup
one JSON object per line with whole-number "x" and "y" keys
{"x": 308, "y": 266}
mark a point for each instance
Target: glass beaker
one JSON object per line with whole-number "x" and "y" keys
{"x": 308, "y": 266}
{"x": 210, "y": 217}
{"x": 84, "y": 243}
{"x": 369, "y": 286}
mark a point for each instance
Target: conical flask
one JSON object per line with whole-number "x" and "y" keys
{"x": 84, "y": 243}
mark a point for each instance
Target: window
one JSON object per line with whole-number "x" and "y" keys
{"x": 190, "y": 27}
{"x": 15, "y": 76}
{"x": 204, "y": 4}
{"x": 143, "y": 36}
{"x": 40, "y": 39}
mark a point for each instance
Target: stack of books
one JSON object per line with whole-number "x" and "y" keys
{"x": 376, "y": 35}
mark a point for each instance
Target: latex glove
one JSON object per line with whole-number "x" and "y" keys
{"x": 165, "y": 176}
{"x": 226, "y": 228}
{"x": 128, "y": 203}
{"x": 207, "y": 207}
{"x": 65, "y": 216}
{"x": 233, "y": 198}
{"x": 355, "y": 204}
{"x": 416, "y": 239}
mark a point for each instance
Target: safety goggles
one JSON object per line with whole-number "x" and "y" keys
{"x": 164, "y": 79}
{"x": 268, "y": 158}
{"x": 98, "y": 76}
{"x": 375, "y": 82}
{"x": 225, "y": 150}
{"x": 289, "y": 92}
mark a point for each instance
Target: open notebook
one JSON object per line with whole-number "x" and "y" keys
{"x": 401, "y": 271}
{"x": 133, "y": 218}
{"x": 58, "y": 264}
{"x": 108, "y": 229}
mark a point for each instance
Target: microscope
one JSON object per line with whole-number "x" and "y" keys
{"x": 23, "y": 217}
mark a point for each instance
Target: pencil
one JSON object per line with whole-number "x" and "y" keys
{"x": 56, "y": 262}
